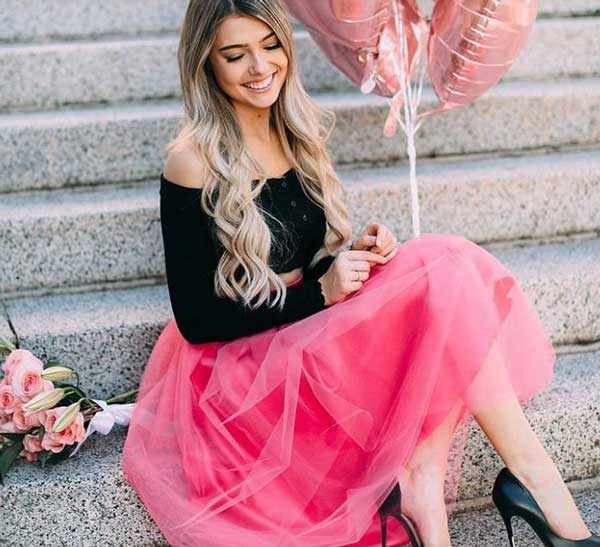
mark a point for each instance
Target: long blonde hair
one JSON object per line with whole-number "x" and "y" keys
{"x": 228, "y": 194}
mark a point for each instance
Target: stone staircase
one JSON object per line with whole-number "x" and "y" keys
{"x": 91, "y": 97}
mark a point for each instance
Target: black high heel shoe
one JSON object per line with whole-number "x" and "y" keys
{"x": 512, "y": 498}
{"x": 391, "y": 506}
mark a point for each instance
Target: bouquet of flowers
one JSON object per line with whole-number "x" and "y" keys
{"x": 43, "y": 419}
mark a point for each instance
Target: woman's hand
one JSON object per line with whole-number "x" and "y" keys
{"x": 377, "y": 238}
{"x": 347, "y": 273}
{"x": 290, "y": 277}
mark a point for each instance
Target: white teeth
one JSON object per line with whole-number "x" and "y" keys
{"x": 261, "y": 85}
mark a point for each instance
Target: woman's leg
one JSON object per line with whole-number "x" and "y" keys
{"x": 509, "y": 431}
{"x": 422, "y": 485}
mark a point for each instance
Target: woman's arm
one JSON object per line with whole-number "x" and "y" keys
{"x": 191, "y": 261}
{"x": 290, "y": 277}
{"x": 319, "y": 268}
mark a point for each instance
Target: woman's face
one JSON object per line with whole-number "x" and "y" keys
{"x": 246, "y": 51}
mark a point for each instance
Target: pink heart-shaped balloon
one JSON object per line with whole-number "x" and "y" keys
{"x": 410, "y": 28}
{"x": 471, "y": 44}
{"x": 347, "y": 31}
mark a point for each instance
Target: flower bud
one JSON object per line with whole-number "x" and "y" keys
{"x": 66, "y": 418}
{"x": 6, "y": 345}
{"x": 44, "y": 400}
{"x": 56, "y": 373}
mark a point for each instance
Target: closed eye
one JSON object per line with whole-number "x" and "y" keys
{"x": 232, "y": 59}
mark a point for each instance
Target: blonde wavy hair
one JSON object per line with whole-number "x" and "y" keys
{"x": 228, "y": 192}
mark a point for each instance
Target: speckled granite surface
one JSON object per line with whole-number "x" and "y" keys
{"x": 66, "y": 70}
{"x": 485, "y": 527}
{"x": 58, "y": 148}
{"x": 74, "y": 18}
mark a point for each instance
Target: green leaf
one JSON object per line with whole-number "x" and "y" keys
{"x": 6, "y": 346}
{"x": 52, "y": 362}
{"x": 76, "y": 394}
{"x": 14, "y": 436}
{"x": 43, "y": 456}
{"x": 56, "y": 457}
{"x": 7, "y": 456}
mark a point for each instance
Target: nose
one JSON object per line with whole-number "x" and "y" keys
{"x": 259, "y": 64}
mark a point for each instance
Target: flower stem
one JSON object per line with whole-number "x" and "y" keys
{"x": 122, "y": 396}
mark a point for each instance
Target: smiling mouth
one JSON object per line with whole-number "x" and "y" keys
{"x": 259, "y": 86}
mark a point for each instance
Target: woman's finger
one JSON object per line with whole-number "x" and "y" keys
{"x": 361, "y": 265}
{"x": 355, "y": 285}
{"x": 369, "y": 256}
{"x": 392, "y": 253}
{"x": 388, "y": 248}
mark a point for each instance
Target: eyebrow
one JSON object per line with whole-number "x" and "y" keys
{"x": 244, "y": 45}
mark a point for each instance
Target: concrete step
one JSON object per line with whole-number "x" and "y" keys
{"x": 126, "y": 142}
{"x": 102, "y": 234}
{"x": 52, "y": 74}
{"x": 109, "y": 333}
{"x": 5, "y": 330}
{"x": 485, "y": 526}
{"x": 564, "y": 417}
{"x": 22, "y": 21}
{"x": 550, "y": 8}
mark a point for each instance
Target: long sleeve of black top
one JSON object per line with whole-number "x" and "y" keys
{"x": 319, "y": 268}
{"x": 191, "y": 261}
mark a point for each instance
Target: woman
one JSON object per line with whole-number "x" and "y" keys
{"x": 300, "y": 383}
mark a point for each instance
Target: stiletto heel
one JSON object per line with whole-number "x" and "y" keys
{"x": 506, "y": 518}
{"x": 392, "y": 506}
{"x": 512, "y": 498}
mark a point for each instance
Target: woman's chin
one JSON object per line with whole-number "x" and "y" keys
{"x": 261, "y": 101}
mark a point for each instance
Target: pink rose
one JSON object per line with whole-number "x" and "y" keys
{"x": 57, "y": 441}
{"x": 32, "y": 443}
{"x": 8, "y": 426}
{"x": 8, "y": 401}
{"x": 29, "y": 456}
{"x": 27, "y": 381}
{"x": 14, "y": 360}
{"x": 25, "y": 422}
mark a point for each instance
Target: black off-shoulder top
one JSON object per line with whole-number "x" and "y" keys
{"x": 192, "y": 252}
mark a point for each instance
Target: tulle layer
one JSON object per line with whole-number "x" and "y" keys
{"x": 294, "y": 436}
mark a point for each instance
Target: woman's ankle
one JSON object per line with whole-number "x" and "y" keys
{"x": 535, "y": 473}
{"x": 418, "y": 471}
{"x": 422, "y": 488}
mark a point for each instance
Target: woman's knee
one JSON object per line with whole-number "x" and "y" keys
{"x": 436, "y": 244}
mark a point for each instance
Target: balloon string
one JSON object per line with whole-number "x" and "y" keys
{"x": 414, "y": 193}
{"x": 411, "y": 100}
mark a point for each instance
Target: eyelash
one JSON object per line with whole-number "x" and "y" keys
{"x": 232, "y": 59}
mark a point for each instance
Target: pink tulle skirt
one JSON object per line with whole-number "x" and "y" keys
{"x": 294, "y": 436}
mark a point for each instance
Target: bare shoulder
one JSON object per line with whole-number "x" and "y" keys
{"x": 184, "y": 167}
